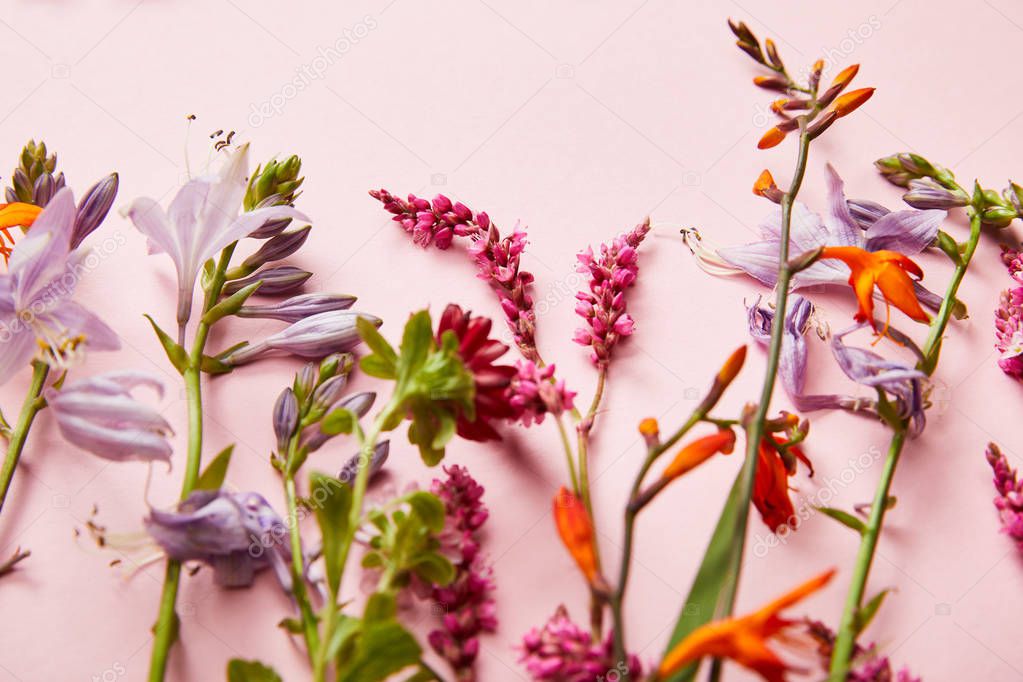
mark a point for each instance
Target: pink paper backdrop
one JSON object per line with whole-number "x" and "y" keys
{"x": 577, "y": 119}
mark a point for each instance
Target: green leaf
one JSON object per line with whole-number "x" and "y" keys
{"x": 250, "y": 671}
{"x": 292, "y": 625}
{"x": 434, "y": 568}
{"x": 712, "y": 578}
{"x": 375, "y": 366}
{"x": 865, "y": 614}
{"x": 380, "y": 607}
{"x": 375, "y": 341}
{"x": 231, "y": 304}
{"x": 338, "y": 421}
{"x": 343, "y": 637}
{"x": 844, "y": 518}
{"x": 429, "y": 507}
{"x": 950, "y": 247}
{"x": 175, "y": 353}
{"x": 332, "y": 503}
{"x": 382, "y": 649}
{"x": 212, "y": 477}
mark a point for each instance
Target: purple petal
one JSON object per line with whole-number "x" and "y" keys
{"x": 841, "y": 224}
{"x": 114, "y": 443}
{"x": 758, "y": 259}
{"x": 908, "y": 232}
{"x": 81, "y": 322}
{"x": 17, "y": 347}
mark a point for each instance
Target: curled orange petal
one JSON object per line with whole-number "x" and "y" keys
{"x": 18, "y": 214}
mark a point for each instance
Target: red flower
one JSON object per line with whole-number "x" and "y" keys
{"x": 479, "y": 352}
{"x": 771, "y": 485}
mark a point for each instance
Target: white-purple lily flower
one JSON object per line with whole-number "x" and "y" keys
{"x": 313, "y": 337}
{"x": 870, "y": 227}
{"x": 902, "y": 382}
{"x": 38, "y": 319}
{"x": 201, "y": 220}
{"x": 236, "y": 534}
{"x": 99, "y": 415}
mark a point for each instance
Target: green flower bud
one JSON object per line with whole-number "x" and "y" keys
{"x": 274, "y": 184}
{"x": 998, "y": 216}
{"x": 33, "y": 181}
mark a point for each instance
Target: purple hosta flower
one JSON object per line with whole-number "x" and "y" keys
{"x": 603, "y": 306}
{"x": 283, "y": 279}
{"x": 469, "y": 608}
{"x": 298, "y": 307}
{"x": 564, "y": 652}
{"x": 534, "y": 392}
{"x": 908, "y": 232}
{"x": 313, "y": 337}
{"x": 357, "y": 461}
{"x": 1009, "y": 318}
{"x": 285, "y": 418}
{"x": 867, "y": 664}
{"x": 38, "y": 319}
{"x": 1009, "y": 501}
{"x": 202, "y": 219}
{"x": 99, "y": 414}
{"x": 236, "y": 534}
{"x": 902, "y": 382}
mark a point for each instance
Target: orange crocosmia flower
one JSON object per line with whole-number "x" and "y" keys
{"x": 889, "y": 270}
{"x": 771, "y": 488}
{"x": 744, "y": 639}
{"x": 576, "y": 531}
{"x": 699, "y": 451}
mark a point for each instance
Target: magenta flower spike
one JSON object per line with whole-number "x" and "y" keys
{"x": 561, "y": 651}
{"x": 1009, "y": 501}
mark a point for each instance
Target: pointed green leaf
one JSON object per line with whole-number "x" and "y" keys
{"x": 231, "y": 304}
{"x": 382, "y": 649}
{"x": 375, "y": 341}
{"x": 332, "y": 503}
{"x": 434, "y": 568}
{"x": 380, "y": 607}
{"x": 175, "y": 353}
{"x": 212, "y": 477}
{"x": 337, "y": 421}
{"x": 250, "y": 671}
{"x": 866, "y": 613}
{"x": 429, "y": 508}
{"x": 212, "y": 365}
{"x": 844, "y": 518}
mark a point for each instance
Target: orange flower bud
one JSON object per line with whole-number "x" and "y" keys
{"x": 851, "y": 101}
{"x": 778, "y": 105}
{"x": 845, "y": 76}
{"x": 732, "y": 365}
{"x": 649, "y": 428}
{"x": 698, "y": 452}
{"x": 765, "y": 181}
{"x": 576, "y": 531}
{"x": 771, "y": 138}
{"x": 818, "y": 65}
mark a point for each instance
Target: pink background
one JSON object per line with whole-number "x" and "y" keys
{"x": 577, "y": 120}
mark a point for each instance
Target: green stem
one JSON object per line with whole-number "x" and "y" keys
{"x": 309, "y": 631}
{"x": 569, "y": 455}
{"x": 845, "y": 640}
{"x": 583, "y": 441}
{"x": 29, "y": 409}
{"x": 165, "y": 631}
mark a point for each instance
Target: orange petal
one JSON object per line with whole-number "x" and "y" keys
{"x": 795, "y": 595}
{"x": 846, "y": 75}
{"x": 897, "y": 288}
{"x": 772, "y": 138}
{"x": 698, "y": 452}
{"x": 576, "y": 531}
{"x": 18, "y": 214}
{"x": 733, "y": 365}
{"x": 851, "y": 101}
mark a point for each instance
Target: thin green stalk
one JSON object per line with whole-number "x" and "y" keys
{"x": 29, "y": 409}
{"x": 165, "y": 631}
{"x": 583, "y": 430}
{"x": 845, "y": 640}
{"x": 309, "y": 631}
{"x": 569, "y": 455}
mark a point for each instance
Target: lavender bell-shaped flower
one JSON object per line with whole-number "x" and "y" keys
{"x": 236, "y": 534}
{"x": 38, "y": 319}
{"x": 99, "y": 415}
{"x": 298, "y": 307}
{"x": 202, "y": 219}
{"x": 314, "y": 337}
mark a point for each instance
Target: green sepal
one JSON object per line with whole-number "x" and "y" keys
{"x": 231, "y": 304}
{"x": 949, "y": 247}
{"x": 177, "y": 355}
{"x": 214, "y": 365}
{"x": 239, "y": 670}
{"x": 865, "y": 614}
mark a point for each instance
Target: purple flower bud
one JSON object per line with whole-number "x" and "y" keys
{"x": 926, "y": 193}
{"x": 351, "y": 468}
{"x": 327, "y": 393}
{"x": 285, "y": 418}
{"x": 313, "y": 438}
{"x": 298, "y": 307}
{"x": 273, "y": 227}
{"x": 236, "y": 534}
{"x": 277, "y": 248}
{"x": 93, "y": 208}
{"x": 279, "y": 280}
{"x": 98, "y": 414}
{"x": 316, "y": 336}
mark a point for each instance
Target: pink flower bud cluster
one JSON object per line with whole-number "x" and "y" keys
{"x": 469, "y": 609}
{"x": 603, "y": 306}
{"x": 1009, "y": 501}
{"x": 564, "y": 652}
{"x": 437, "y": 222}
{"x": 534, "y": 392}
{"x": 1009, "y": 318}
